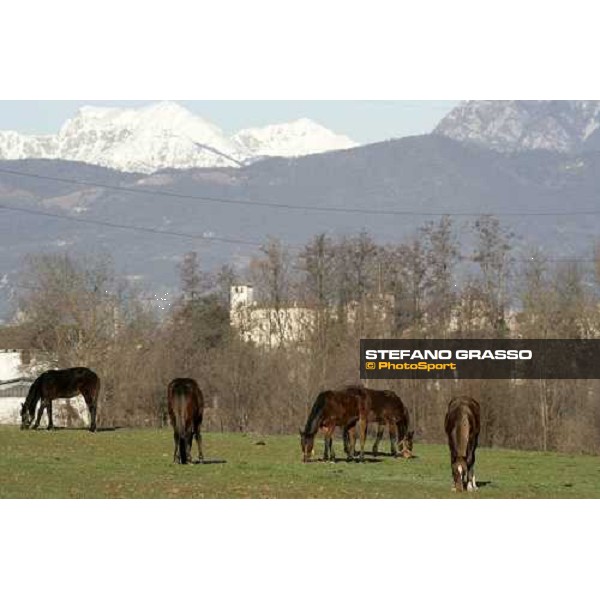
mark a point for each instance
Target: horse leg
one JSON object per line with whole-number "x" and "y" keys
{"x": 198, "y": 437}
{"x": 471, "y": 483}
{"x": 380, "y": 427}
{"x": 39, "y": 415}
{"x": 349, "y": 442}
{"x": 49, "y": 413}
{"x": 352, "y": 441}
{"x": 189, "y": 437}
{"x": 93, "y": 411}
{"x": 363, "y": 425}
{"x": 91, "y": 403}
{"x": 393, "y": 427}
{"x": 325, "y": 445}
{"x": 331, "y": 450}
{"x": 176, "y": 452}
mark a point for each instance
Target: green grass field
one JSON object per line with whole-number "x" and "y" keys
{"x": 129, "y": 463}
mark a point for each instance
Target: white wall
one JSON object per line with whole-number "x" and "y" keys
{"x": 65, "y": 413}
{"x": 10, "y": 363}
{"x": 70, "y": 412}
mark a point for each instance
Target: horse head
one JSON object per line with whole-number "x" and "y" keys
{"x": 307, "y": 442}
{"x": 26, "y": 417}
{"x": 459, "y": 474}
{"x": 406, "y": 445}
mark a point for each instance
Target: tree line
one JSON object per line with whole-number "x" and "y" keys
{"x": 76, "y": 311}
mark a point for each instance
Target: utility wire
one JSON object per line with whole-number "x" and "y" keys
{"x": 141, "y": 228}
{"x": 305, "y": 208}
{"x": 211, "y": 238}
{"x": 255, "y": 244}
{"x": 231, "y": 240}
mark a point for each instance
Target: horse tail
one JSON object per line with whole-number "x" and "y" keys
{"x": 464, "y": 430}
{"x": 180, "y": 426}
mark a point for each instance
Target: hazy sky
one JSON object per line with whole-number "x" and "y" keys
{"x": 363, "y": 121}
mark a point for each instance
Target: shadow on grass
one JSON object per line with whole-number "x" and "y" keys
{"x": 98, "y": 430}
{"x": 350, "y": 462}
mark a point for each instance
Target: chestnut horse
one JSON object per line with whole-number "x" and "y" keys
{"x": 333, "y": 408}
{"x": 65, "y": 383}
{"x": 186, "y": 408}
{"x": 462, "y": 426}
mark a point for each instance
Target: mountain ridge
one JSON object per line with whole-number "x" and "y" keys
{"x": 165, "y": 135}
{"x": 518, "y": 125}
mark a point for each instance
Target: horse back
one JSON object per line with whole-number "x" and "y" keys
{"x": 66, "y": 383}
{"x": 347, "y": 404}
{"x": 186, "y": 391}
{"x": 462, "y": 423}
{"x": 386, "y": 405}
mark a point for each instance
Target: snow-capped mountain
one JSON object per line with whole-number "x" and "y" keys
{"x": 146, "y": 139}
{"x": 165, "y": 135}
{"x": 15, "y": 146}
{"x": 297, "y": 138}
{"x": 508, "y": 126}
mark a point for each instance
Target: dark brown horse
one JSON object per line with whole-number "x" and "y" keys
{"x": 332, "y": 408}
{"x": 387, "y": 410}
{"x": 462, "y": 426}
{"x": 64, "y": 383}
{"x": 186, "y": 408}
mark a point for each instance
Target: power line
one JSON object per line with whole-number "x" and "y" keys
{"x": 140, "y": 228}
{"x": 255, "y": 244}
{"x": 306, "y": 208}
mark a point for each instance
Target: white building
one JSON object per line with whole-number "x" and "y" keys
{"x": 268, "y": 326}
{"x": 15, "y": 380}
{"x": 273, "y": 327}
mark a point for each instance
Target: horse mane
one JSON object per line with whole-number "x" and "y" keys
{"x": 33, "y": 395}
{"x": 312, "y": 423}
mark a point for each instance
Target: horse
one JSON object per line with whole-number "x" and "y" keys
{"x": 60, "y": 383}
{"x": 387, "y": 409}
{"x": 462, "y": 425}
{"x": 331, "y": 409}
{"x": 186, "y": 407}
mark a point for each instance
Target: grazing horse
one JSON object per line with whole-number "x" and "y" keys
{"x": 462, "y": 426}
{"x": 332, "y": 408}
{"x": 64, "y": 383}
{"x": 387, "y": 409}
{"x": 186, "y": 408}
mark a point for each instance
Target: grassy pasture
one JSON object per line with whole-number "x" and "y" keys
{"x": 130, "y": 463}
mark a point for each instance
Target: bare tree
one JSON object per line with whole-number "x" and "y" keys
{"x": 492, "y": 254}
